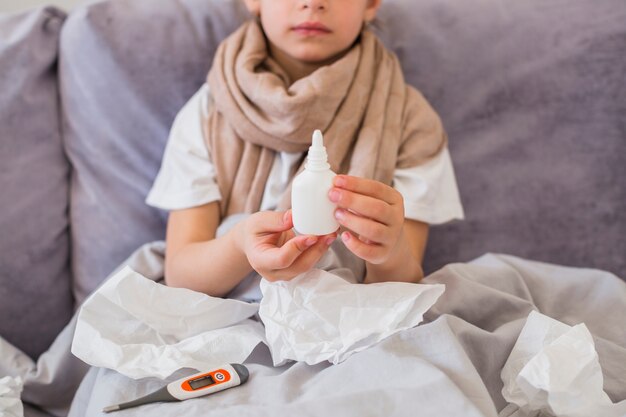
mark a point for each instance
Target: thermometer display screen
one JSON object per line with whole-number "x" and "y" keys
{"x": 205, "y": 381}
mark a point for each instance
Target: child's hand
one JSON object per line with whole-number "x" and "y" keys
{"x": 273, "y": 249}
{"x": 374, "y": 214}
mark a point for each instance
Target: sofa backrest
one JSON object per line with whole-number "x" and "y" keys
{"x": 35, "y": 295}
{"x": 126, "y": 68}
{"x": 533, "y": 96}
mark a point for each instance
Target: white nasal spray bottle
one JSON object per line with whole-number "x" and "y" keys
{"x": 312, "y": 211}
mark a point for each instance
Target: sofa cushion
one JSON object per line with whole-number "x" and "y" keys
{"x": 35, "y": 295}
{"x": 533, "y": 96}
{"x": 126, "y": 68}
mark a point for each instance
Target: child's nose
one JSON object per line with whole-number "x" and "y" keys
{"x": 315, "y": 4}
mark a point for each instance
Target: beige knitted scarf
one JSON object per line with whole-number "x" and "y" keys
{"x": 371, "y": 120}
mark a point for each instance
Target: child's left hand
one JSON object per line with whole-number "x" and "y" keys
{"x": 372, "y": 212}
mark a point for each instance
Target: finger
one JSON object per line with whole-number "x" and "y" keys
{"x": 272, "y": 222}
{"x": 308, "y": 258}
{"x": 364, "y": 205}
{"x": 285, "y": 237}
{"x": 367, "y": 187}
{"x": 368, "y": 230}
{"x": 369, "y": 252}
{"x": 288, "y": 218}
{"x": 284, "y": 256}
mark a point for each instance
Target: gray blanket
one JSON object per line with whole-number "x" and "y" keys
{"x": 450, "y": 365}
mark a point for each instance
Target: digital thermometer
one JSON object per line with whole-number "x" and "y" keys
{"x": 193, "y": 386}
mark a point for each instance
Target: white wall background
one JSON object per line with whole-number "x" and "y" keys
{"x": 17, "y": 5}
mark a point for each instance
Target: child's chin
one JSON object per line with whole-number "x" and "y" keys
{"x": 318, "y": 58}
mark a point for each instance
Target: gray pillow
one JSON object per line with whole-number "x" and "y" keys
{"x": 35, "y": 294}
{"x": 533, "y": 96}
{"x": 126, "y": 68}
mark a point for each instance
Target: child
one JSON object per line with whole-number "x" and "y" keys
{"x": 236, "y": 145}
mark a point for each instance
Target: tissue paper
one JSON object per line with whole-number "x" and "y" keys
{"x": 554, "y": 368}
{"x": 144, "y": 329}
{"x": 319, "y": 316}
{"x": 10, "y": 403}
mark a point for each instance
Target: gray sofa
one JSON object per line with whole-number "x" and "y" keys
{"x": 532, "y": 94}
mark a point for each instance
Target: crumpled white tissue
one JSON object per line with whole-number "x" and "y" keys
{"x": 144, "y": 329}
{"x": 10, "y": 403}
{"x": 554, "y": 369}
{"x": 319, "y": 316}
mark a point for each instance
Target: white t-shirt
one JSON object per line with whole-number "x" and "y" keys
{"x": 187, "y": 177}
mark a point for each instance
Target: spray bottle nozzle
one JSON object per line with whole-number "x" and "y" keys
{"x": 316, "y": 159}
{"x": 318, "y": 139}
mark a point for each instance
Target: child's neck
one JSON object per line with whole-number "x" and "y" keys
{"x": 297, "y": 69}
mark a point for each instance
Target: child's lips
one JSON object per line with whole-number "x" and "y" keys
{"x": 311, "y": 29}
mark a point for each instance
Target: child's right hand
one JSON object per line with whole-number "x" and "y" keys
{"x": 274, "y": 250}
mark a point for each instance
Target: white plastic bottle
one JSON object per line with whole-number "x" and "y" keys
{"x": 312, "y": 211}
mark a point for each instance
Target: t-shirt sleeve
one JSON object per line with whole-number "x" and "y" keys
{"x": 430, "y": 191}
{"x": 424, "y": 174}
{"x": 187, "y": 177}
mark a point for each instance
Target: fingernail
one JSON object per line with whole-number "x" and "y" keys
{"x": 339, "y": 181}
{"x": 334, "y": 195}
{"x": 345, "y": 236}
{"x": 340, "y": 214}
{"x": 310, "y": 241}
{"x": 330, "y": 240}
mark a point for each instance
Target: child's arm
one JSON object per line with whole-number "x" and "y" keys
{"x": 190, "y": 238}
{"x": 373, "y": 212}
{"x": 197, "y": 260}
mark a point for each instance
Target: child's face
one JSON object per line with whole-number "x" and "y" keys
{"x": 313, "y": 31}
